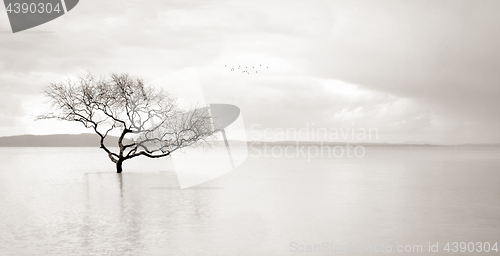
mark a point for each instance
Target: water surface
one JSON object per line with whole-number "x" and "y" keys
{"x": 69, "y": 201}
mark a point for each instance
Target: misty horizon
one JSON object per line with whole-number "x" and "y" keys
{"x": 284, "y": 142}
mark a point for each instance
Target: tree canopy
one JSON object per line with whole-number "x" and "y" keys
{"x": 124, "y": 104}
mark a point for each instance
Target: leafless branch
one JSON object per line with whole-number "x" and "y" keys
{"x": 124, "y": 104}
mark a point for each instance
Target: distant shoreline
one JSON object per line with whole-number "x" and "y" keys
{"x": 57, "y": 140}
{"x": 92, "y": 140}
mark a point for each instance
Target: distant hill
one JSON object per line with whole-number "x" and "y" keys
{"x": 92, "y": 140}
{"x": 58, "y": 140}
{"x": 365, "y": 144}
{"x": 333, "y": 144}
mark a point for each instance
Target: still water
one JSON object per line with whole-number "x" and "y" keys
{"x": 69, "y": 201}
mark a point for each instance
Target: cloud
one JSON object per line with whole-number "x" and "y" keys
{"x": 10, "y": 109}
{"x": 444, "y": 56}
{"x": 421, "y": 70}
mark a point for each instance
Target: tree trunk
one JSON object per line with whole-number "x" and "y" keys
{"x": 119, "y": 166}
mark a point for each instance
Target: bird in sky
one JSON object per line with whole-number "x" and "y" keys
{"x": 246, "y": 70}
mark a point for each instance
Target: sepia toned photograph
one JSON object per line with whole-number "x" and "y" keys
{"x": 252, "y": 128}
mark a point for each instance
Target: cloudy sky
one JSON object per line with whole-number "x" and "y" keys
{"x": 416, "y": 71}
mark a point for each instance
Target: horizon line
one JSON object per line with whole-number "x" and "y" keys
{"x": 409, "y": 143}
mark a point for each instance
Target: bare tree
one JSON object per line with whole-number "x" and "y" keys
{"x": 150, "y": 117}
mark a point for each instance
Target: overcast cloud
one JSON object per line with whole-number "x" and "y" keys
{"x": 415, "y": 70}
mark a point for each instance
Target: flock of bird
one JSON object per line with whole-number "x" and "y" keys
{"x": 247, "y": 69}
